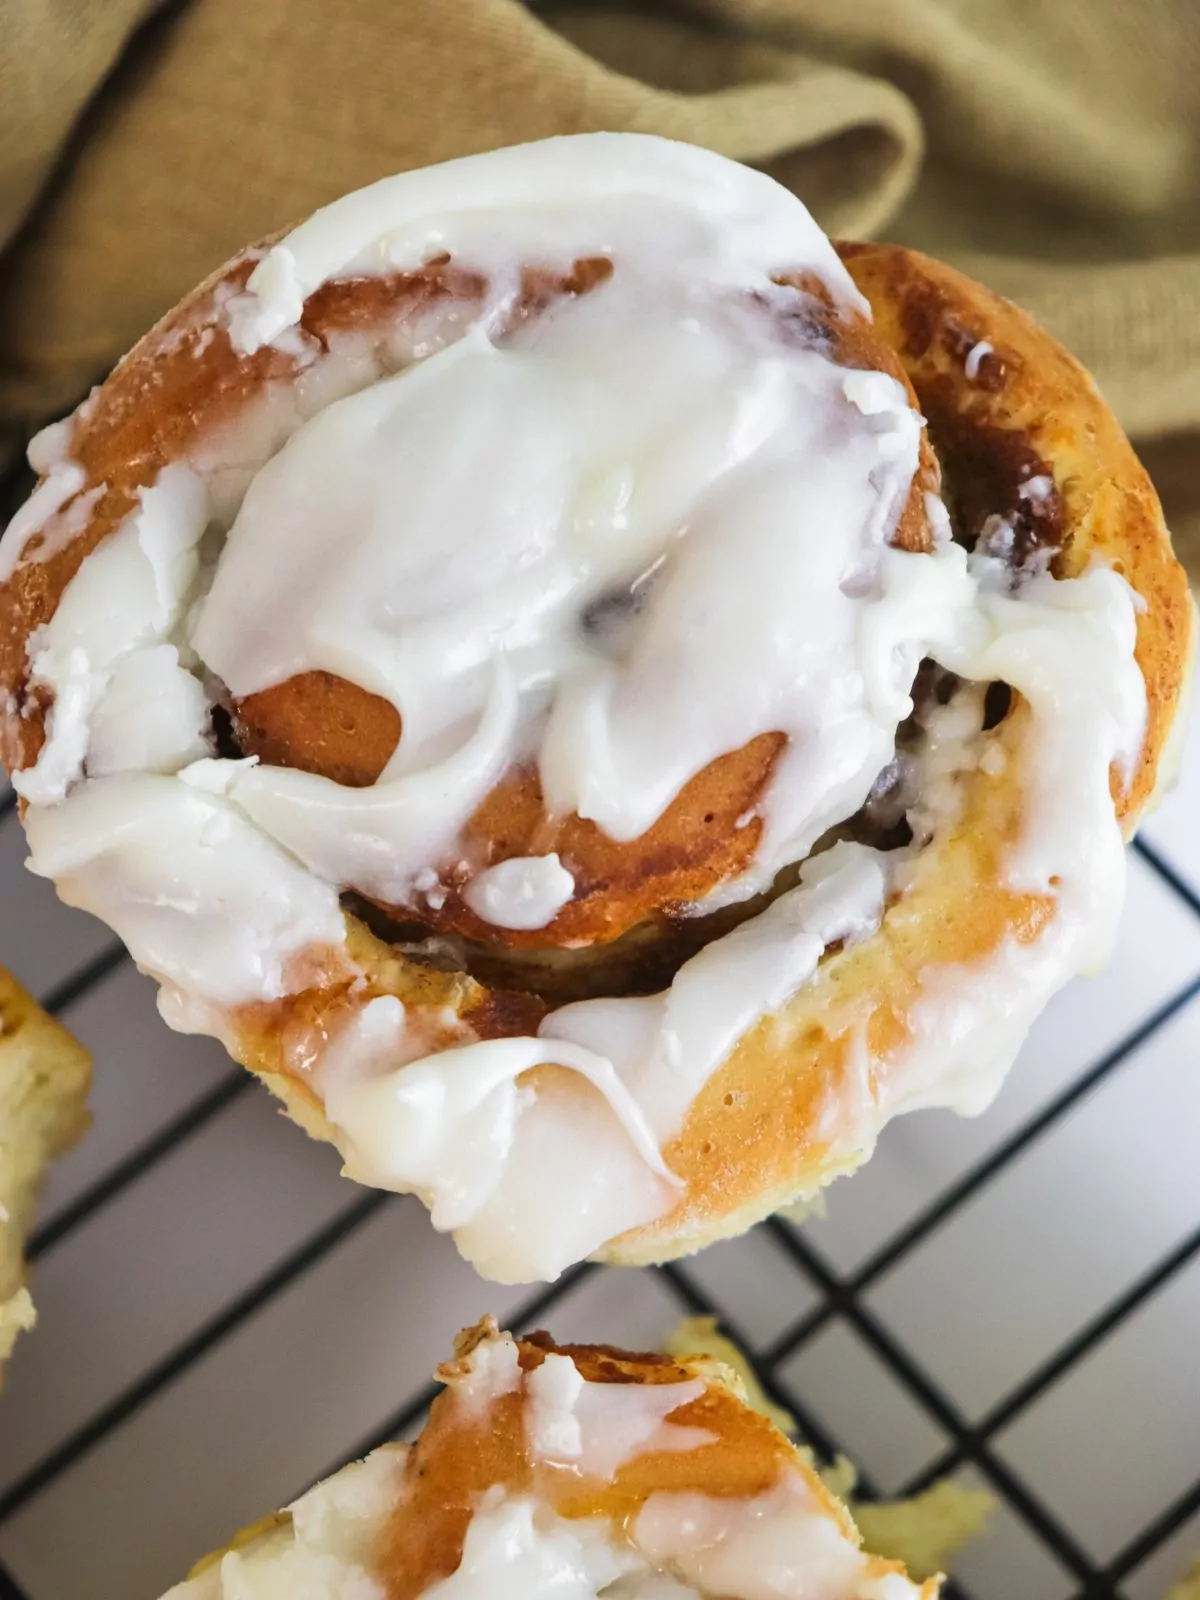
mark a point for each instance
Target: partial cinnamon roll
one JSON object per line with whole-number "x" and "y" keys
{"x": 45, "y": 1076}
{"x": 577, "y": 1470}
{"x": 599, "y": 701}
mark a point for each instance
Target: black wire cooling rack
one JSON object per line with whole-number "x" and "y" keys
{"x": 43, "y": 1466}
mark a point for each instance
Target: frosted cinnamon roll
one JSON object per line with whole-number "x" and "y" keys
{"x": 575, "y": 1471}
{"x": 596, "y": 699}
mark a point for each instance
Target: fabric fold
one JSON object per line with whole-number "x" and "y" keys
{"x": 1049, "y": 152}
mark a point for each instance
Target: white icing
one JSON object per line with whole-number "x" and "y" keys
{"x": 49, "y": 454}
{"x": 522, "y": 892}
{"x": 598, "y": 1428}
{"x": 50, "y": 447}
{"x": 525, "y": 1181}
{"x": 888, "y": 1586}
{"x": 64, "y": 479}
{"x": 491, "y": 1369}
{"x": 207, "y": 905}
{"x": 552, "y": 1430}
{"x": 953, "y": 745}
{"x": 785, "y": 1543}
{"x": 963, "y": 1042}
{"x": 993, "y": 760}
{"x": 997, "y": 538}
{"x": 667, "y": 1046}
{"x": 152, "y": 716}
{"x": 446, "y": 1126}
{"x": 488, "y": 498}
{"x": 939, "y": 518}
{"x": 76, "y": 690}
{"x": 975, "y": 358}
{"x": 779, "y": 1546}
{"x": 380, "y": 838}
{"x": 774, "y": 1547}
{"x": 556, "y": 188}
{"x": 1037, "y": 488}
{"x": 344, "y": 1514}
{"x": 126, "y": 597}
{"x": 1068, "y": 648}
{"x": 683, "y": 1547}
{"x": 572, "y": 1182}
{"x": 516, "y": 1548}
{"x": 215, "y": 776}
{"x": 332, "y": 1547}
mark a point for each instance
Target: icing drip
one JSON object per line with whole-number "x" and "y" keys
{"x": 126, "y": 599}
{"x": 206, "y": 904}
{"x": 445, "y": 1126}
{"x": 63, "y": 480}
{"x": 484, "y": 1152}
{"x": 523, "y": 892}
{"x": 597, "y": 1428}
{"x": 522, "y": 204}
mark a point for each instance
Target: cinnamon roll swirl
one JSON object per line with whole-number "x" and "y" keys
{"x": 578, "y": 1470}
{"x": 599, "y": 700}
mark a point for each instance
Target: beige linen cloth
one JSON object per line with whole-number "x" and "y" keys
{"x": 1049, "y": 147}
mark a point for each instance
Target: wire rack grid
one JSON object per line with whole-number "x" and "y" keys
{"x": 1013, "y": 1302}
